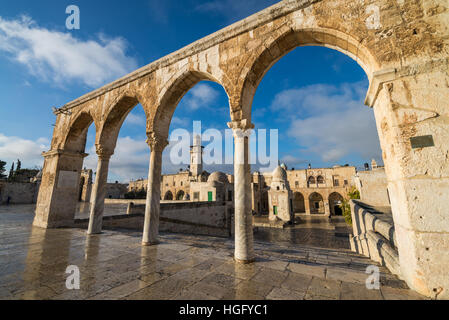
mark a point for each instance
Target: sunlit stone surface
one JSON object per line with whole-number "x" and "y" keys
{"x": 114, "y": 265}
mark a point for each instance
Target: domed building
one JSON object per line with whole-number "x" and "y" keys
{"x": 217, "y": 188}
{"x": 280, "y": 196}
{"x": 218, "y": 177}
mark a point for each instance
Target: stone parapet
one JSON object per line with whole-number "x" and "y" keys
{"x": 374, "y": 236}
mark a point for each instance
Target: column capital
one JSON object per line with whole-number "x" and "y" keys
{"x": 155, "y": 142}
{"x": 102, "y": 152}
{"x": 241, "y": 128}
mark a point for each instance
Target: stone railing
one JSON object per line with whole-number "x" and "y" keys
{"x": 374, "y": 235}
{"x": 201, "y": 218}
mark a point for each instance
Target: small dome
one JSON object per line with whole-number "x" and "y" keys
{"x": 279, "y": 174}
{"x": 218, "y": 177}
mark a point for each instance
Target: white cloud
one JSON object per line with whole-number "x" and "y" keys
{"x": 60, "y": 58}
{"x": 28, "y": 151}
{"x": 200, "y": 96}
{"x": 133, "y": 119}
{"x": 131, "y": 160}
{"x": 330, "y": 121}
{"x": 179, "y": 122}
{"x": 292, "y": 161}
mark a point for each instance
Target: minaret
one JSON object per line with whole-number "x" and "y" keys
{"x": 196, "y": 157}
{"x": 373, "y": 164}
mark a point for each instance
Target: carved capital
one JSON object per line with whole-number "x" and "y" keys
{"x": 102, "y": 152}
{"x": 241, "y": 128}
{"x": 156, "y": 143}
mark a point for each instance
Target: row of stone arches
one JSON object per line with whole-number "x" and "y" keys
{"x": 312, "y": 181}
{"x": 316, "y": 203}
{"x": 180, "y": 195}
{"x": 405, "y": 70}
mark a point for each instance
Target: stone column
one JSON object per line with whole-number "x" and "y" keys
{"x": 327, "y": 211}
{"x": 307, "y": 205}
{"x": 99, "y": 191}
{"x": 244, "y": 248}
{"x": 410, "y": 106}
{"x": 59, "y": 189}
{"x": 152, "y": 205}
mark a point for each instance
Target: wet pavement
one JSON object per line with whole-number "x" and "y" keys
{"x": 113, "y": 265}
{"x": 318, "y": 231}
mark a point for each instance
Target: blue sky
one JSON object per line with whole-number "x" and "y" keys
{"x": 313, "y": 95}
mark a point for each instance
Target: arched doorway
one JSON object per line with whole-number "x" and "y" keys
{"x": 335, "y": 201}
{"x": 298, "y": 203}
{"x": 316, "y": 203}
{"x": 168, "y": 196}
{"x": 264, "y": 208}
{"x": 180, "y": 195}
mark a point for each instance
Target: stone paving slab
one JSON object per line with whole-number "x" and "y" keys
{"x": 115, "y": 266}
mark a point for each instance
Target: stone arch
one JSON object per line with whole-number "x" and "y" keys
{"x": 265, "y": 203}
{"x": 311, "y": 181}
{"x": 316, "y": 202}
{"x": 75, "y": 140}
{"x": 172, "y": 93}
{"x": 320, "y": 180}
{"x": 114, "y": 118}
{"x": 168, "y": 195}
{"x": 180, "y": 195}
{"x": 298, "y": 203}
{"x": 286, "y": 39}
{"x": 335, "y": 199}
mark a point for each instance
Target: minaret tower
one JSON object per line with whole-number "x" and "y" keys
{"x": 196, "y": 157}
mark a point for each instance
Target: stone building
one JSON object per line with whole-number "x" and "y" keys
{"x": 116, "y": 190}
{"x": 280, "y": 196}
{"x": 113, "y": 190}
{"x": 314, "y": 191}
{"x": 177, "y": 186}
{"x": 373, "y": 185}
{"x": 217, "y": 188}
{"x": 24, "y": 190}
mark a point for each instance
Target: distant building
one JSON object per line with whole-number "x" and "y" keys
{"x": 314, "y": 191}
{"x": 280, "y": 201}
{"x": 308, "y": 191}
{"x": 373, "y": 185}
{"x": 177, "y": 186}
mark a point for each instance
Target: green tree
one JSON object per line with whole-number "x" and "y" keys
{"x": 11, "y": 173}
{"x": 19, "y": 165}
{"x": 2, "y": 169}
{"x": 353, "y": 193}
{"x": 140, "y": 194}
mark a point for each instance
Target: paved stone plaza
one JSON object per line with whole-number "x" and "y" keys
{"x": 114, "y": 265}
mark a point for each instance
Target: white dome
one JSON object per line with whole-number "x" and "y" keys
{"x": 279, "y": 174}
{"x": 218, "y": 177}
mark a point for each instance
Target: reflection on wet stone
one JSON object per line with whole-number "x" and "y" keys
{"x": 113, "y": 265}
